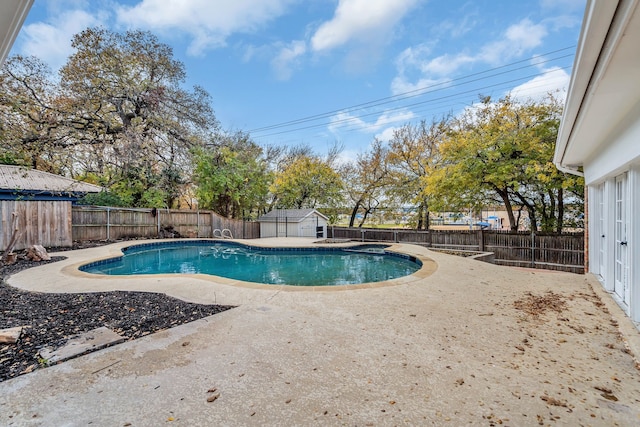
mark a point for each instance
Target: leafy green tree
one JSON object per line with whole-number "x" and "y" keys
{"x": 307, "y": 182}
{"x": 232, "y": 177}
{"x": 502, "y": 152}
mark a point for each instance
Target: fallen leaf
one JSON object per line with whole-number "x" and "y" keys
{"x": 213, "y": 397}
{"x": 553, "y": 401}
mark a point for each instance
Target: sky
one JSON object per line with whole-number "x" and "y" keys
{"x": 326, "y": 72}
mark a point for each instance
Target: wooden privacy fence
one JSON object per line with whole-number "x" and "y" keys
{"x": 43, "y": 222}
{"x": 563, "y": 252}
{"x": 109, "y": 223}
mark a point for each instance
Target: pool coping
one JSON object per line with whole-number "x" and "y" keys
{"x": 428, "y": 267}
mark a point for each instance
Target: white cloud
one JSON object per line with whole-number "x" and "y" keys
{"x": 208, "y": 22}
{"x": 402, "y": 85}
{"x": 387, "y": 134}
{"x": 360, "y": 20}
{"x": 554, "y": 80}
{"x": 519, "y": 38}
{"x": 288, "y": 58}
{"x": 446, "y": 64}
{"x": 415, "y": 63}
{"x": 346, "y": 121}
{"x": 51, "y": 41}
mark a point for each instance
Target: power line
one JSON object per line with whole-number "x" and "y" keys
{"x": 420, "y": 91}
{"x": 402, "y": 107}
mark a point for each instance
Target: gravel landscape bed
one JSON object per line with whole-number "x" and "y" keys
{"x": 49, "y": 320}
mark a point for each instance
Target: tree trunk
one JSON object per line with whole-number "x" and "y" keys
{"x": 354, "y": 212}
{"x": 504, "y": 195}
{"x": 364, "y": 217}
{"x": 532, "y": 217}
{"x": 531, "y": 209}
{"x": 560, "y": 221}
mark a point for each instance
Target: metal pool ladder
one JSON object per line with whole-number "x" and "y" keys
{"x": 225, "y": 233}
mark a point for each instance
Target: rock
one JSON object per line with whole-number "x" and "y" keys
{"x": 37, "y": 253}
{"x": 10, "y": 335}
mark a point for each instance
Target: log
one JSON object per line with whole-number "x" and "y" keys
{"x": 37, "y": 253}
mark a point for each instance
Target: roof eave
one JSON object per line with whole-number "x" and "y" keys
{"x": 13, "y": 12}
{"x": 591, "y": 53}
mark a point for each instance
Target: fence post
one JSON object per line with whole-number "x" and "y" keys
{"x": 533, "y": 249}
{"x": 108, "y": 224}
{"x": 480, "y": 240}
{"x": 212, "y": 225}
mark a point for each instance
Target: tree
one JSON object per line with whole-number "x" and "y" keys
{"x": 502, "y": 151}
{"x": 307, "y": 182}
{"x": 232, "y": 176}
{"x": 367, "y": 180}
{"x": 413, "y": 151}
{"x": 30, "y": 118}
{"x": 118, "y": 112}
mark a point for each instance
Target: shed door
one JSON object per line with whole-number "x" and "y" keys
{"x": 621, "y": 286}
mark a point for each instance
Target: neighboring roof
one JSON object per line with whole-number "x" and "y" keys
{"x": 12, "y": 16}
{"x": 292, "y": 215}
{"x": 20, "y": 180}
{"x": 603, "y": 88}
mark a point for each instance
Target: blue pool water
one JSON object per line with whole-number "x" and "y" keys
{"x": 277, "y": 266}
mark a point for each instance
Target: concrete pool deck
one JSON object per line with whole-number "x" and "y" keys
{"x": 447, "y": 346}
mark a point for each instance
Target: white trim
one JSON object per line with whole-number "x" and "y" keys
{"x": 634, "y": 243}
{"x": 16, "y": 11}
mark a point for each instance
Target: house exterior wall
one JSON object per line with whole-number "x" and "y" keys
{"x": 614, "y": 227}
{"x": 621, "y": 149}
{"x": 600, "y": 132}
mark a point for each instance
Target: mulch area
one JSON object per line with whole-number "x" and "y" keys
{"x": 52, "y": 319}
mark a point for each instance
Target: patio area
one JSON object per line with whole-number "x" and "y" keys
{"x": 463, "y": 342}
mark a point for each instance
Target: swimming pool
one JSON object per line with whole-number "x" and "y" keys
{"x": 316, "y": 266}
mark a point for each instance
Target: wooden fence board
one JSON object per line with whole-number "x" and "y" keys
{"x": 107, "y": 223}
{"x": 538, "y": 250}
{"x": 46, "y": 223}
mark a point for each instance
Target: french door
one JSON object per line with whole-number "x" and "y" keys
{"x": 621, "y": 266}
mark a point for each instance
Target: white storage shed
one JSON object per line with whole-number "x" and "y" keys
{"x": 293, "y": 223}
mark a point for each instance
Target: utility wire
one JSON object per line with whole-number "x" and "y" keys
{"x": 352, "y": 118}
{"x": 423, "y": 90}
